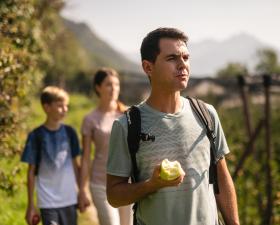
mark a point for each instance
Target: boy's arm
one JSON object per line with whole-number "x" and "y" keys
{"x": 76, "y": 169}
{"x": 120, "y": 192}
{"x": 226, "y": 199}
{"x": 31, "y": 210}
{"x": 85, "y": 164}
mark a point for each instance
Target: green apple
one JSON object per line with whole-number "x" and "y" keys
{"x": 170, "y": 170}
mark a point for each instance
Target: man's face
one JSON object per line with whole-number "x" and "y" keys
{"x": 170, "y": 71}
{"x": 56, "y": 110}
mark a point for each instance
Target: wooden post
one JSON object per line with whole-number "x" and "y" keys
{"x": 269, "y": 185}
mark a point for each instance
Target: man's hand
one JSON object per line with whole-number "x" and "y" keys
{"x": 120, "y": 192}
{"x": 158, "y": 183}
{"x": 83, "y": 201}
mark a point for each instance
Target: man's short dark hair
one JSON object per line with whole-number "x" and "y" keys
{"x": 150, "y": 44}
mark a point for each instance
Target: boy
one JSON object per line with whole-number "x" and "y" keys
{"x": 51, "y": 151}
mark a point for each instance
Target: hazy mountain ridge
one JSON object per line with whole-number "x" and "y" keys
{"x": 207, "y": 56}
{"x": 100, "y": 51}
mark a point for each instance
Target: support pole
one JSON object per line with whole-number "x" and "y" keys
{"x": 269, "y": 185}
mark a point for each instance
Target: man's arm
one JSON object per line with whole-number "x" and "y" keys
{"x": 120, "y": 192}
{"x": 226, "y": 199}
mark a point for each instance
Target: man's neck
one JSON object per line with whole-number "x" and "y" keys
{"x": 167, "y": 103}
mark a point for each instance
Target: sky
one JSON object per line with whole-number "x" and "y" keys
{"x": 124, "y": 23}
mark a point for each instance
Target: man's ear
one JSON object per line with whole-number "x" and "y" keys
{"x": 147, "y": 67}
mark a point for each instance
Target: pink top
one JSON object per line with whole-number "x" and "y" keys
{"x": 99, "y": 125}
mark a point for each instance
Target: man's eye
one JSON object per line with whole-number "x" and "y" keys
{"x": 186, "y": 58}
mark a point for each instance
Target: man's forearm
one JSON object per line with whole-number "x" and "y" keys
{"x": 226, "y": 199}
{"x": 120, "y": 192}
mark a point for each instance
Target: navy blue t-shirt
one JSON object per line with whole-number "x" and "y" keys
{"x": 55, "y": 146}
{"x": 55, "y": 183}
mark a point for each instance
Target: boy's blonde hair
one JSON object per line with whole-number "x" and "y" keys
{"x": 53, "y": 94}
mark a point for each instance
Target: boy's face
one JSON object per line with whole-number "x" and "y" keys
{"x": 56, "y": 110}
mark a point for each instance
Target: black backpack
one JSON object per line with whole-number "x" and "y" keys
{"x": 38, "y": 132}
{"x": 134, "y": 135}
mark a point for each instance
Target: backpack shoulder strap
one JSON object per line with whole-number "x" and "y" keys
{"x": 201, "y": 110}
{"x": 133, "y": 136}
{"x": 70, "y": 134}
{"x": 38, "y": 141}
{"x": 73, "y": 140}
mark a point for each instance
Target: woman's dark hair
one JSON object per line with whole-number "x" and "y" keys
{"x": 150, "y": 44}
{"x": 100, "y": 76}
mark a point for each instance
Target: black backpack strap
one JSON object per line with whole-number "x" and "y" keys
{"x": 133, "y": 140}
{"x": 38, "y": 143}
{"x": 70, "y": 135}
{"x": 199, "y": 107}
{"x": 133, "y": 137}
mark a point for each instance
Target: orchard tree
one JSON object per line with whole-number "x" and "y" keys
{"x": 268, "y": 62}
{"x": 23, "y": 59}
{"x": 232, "y": 70}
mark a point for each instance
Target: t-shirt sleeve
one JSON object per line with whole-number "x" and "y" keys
{"x": 29, "y": 154}
{"x": 119, "y": 162}
{"x": 75, "y": 146}
{"x": 86, "y": 128}
{"x": 221, "y": 143}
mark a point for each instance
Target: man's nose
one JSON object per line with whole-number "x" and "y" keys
{"x": 182, "y": 63}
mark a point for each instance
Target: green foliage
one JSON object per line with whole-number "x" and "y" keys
{"x": 268, "y": 62}
{"x": 21, "y": 53}
{"x": 251, "y": 181}
{"x": 232, "y": 70}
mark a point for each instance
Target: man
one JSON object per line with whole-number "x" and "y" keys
{"x": 179, "y": 135}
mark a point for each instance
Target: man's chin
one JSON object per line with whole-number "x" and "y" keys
{"x": 183, "y": 85}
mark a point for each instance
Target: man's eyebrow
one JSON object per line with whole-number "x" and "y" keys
{"x": 174, "y": 55}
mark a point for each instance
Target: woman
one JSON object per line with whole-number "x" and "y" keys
{"x": 96, "y": 128}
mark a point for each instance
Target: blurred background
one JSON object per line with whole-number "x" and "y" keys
{"x": 234, "y": 48}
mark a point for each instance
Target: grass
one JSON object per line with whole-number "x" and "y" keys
{"x": 13, "y": 206}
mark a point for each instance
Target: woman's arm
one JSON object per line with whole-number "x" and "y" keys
{"x": 84, "y": 171}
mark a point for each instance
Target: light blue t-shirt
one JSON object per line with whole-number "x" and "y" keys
{"x": 180, "y": 137}
{"x": 55, "y": 182}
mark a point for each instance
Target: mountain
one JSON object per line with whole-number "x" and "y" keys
{"x": 98, "y": 50}
{"x": 208, "y": 56}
